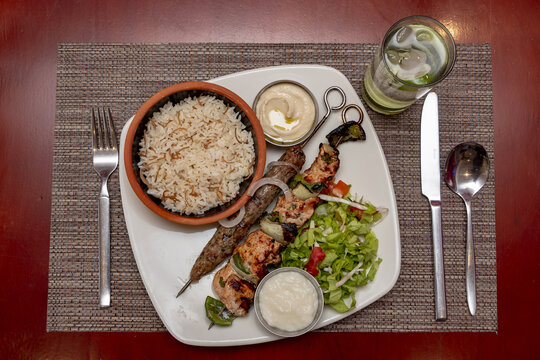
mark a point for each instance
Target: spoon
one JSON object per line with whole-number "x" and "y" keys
{"x": 467, "y": 168}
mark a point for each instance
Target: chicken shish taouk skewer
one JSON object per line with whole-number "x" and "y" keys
{"x": 226, "y": 239}
{"x": 236, "y": 282}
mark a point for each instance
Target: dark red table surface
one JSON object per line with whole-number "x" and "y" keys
{"x": 29, "y": 33}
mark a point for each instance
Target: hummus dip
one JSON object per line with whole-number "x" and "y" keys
{"x": 286, "y": 112}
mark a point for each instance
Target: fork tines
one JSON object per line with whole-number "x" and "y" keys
{"x": 104, "y": 136}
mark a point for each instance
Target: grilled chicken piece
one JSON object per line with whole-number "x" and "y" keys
{"x": 324, "y": 167}
{"x": 322, "y": 170}
{"x": 297, "y": 211}
{"x": 233, "y": 291}
{"x": 257, "y": 252}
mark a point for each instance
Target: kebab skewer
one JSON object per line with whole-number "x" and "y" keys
{"x": 235, "y": 283}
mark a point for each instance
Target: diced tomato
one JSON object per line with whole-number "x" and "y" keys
{"x": 360, "y": 211}
{"x": 340, "y": 189}
{"x": 317, "y": 255}
{"x": 329, "y": 186}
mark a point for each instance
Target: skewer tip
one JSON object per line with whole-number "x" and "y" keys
{"x": 211, "y": 324}
{"x": 184, "y": 288}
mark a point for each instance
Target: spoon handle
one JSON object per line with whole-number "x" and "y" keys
{"x": 470, "y": 272}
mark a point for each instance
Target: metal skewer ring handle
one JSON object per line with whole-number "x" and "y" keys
{"x": 329, "y": 110}
{"x": 352, "y": 106}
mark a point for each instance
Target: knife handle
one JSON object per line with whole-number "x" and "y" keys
{"x": 438, "y": 261}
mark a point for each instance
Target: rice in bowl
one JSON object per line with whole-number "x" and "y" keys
{"x": 194, "y": 155}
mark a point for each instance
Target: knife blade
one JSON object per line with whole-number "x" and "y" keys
{"x": 431, "y": 189}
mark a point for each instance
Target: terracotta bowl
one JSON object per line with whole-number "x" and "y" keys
{"x": 175, "y": 94}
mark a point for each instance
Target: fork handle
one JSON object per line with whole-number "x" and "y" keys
{"x": 104, "y": 248}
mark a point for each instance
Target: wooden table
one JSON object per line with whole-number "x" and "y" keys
{"x": 29, "y": 33}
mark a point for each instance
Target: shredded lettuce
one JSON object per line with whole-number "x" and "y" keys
{"x": 348, "y": 243}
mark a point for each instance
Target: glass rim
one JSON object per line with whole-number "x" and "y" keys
{"x": 448, "y": 70}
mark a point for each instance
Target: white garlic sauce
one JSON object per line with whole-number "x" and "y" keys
{"x": 288, "y": 301}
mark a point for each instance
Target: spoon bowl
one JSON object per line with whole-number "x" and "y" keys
{"x": 467, "y": 169}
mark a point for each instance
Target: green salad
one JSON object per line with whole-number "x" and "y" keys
{"x": 338, "y": 247}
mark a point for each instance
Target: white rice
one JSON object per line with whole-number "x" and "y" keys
{"x": 195, "y": 154}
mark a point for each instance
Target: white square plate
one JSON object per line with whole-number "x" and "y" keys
{"x": 165, "y": 251}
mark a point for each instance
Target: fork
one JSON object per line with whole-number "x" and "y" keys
{"x": 105, "y": 160}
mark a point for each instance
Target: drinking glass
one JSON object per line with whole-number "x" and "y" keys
{"x": 416, "y": 53}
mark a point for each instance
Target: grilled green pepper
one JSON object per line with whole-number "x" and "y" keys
{"x": 217, "y": 313}
{"x": 299, "y": 179}
{"x": 239, "y": 263}
{"x": 350, "y": 131}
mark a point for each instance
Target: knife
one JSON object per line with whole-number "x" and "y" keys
{"x": 431, "y": 189}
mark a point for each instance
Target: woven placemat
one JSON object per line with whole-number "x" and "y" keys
{"x": 123, "y": 76}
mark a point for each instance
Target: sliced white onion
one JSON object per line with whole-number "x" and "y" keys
{"x": 343, "y": 201}
{"x": 384, "y": 214}
{"x": 349, "y": 275}
{"x": 282, "y": 163}
{"x": 383, "y": 211}
{"x": 270, "y": 181}
{"x": 233, "y": 222}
